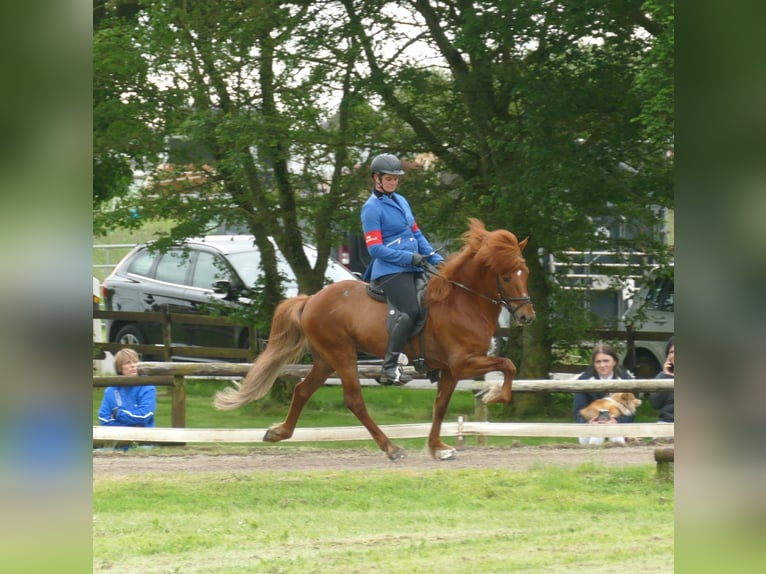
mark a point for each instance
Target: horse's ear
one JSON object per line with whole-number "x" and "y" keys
{"x": 523, "y": 243}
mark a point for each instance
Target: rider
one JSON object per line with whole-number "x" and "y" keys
{"x": 399, "y": 250}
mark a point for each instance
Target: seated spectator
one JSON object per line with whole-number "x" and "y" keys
{"x": 604, "y": 365}
{"x": 128, "y": 406}
{"x": 662, "y": 401}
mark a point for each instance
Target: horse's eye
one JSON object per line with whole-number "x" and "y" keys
{"x": 506, "y": 279}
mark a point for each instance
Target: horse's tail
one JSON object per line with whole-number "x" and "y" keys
{"x": 287, "y": 343}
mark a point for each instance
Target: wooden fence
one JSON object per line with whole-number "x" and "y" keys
{"x": 167, "y": 348}
{"x": 174, "y": 374}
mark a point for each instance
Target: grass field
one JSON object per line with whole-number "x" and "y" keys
{"x": 589, "y": 519}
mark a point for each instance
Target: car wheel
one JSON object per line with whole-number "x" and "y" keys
{"x": 131, "y": 335}
{"x": 646, "y": 367}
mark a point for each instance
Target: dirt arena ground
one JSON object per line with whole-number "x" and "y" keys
{"x": 281, "y": 459}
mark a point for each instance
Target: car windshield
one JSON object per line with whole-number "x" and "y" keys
{"x": 247, "y": 265}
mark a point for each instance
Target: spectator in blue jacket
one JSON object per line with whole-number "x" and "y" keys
{"x": 128, "y": 406}
{"x": 604, "y": 365}
{"x": 399, "y": 251}
{"x": 663, "y": 401}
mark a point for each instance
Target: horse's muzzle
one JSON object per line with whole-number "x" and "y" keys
{"x": 526, "y": 318}
{"x": 523, "y": 314}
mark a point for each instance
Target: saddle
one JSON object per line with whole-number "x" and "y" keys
{"x": 378, "y": 292}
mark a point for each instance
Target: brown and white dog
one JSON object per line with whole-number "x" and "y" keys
{"x": 617, "y": 404}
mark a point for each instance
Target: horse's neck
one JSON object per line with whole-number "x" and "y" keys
{"x": 476, "y": 276}
{"x": 480, "y": 280}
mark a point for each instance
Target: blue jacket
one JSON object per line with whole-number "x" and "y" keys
{"x": 392, "y": 236}
{"x": 135, "y": 406}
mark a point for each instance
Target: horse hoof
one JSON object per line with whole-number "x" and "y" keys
{"x": 445, "y": 454}
{"x": 274, "y": 434}
{"x": 398, "y": 454}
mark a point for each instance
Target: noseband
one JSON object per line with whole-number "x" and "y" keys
{"x": 507, "y": 302}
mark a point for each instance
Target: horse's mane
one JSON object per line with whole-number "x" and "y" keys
{"x": 498, "y": 250}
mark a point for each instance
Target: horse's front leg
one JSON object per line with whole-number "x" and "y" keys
{"x": 481, "y": 365}
{"x": 501, "y": 393}
{"x": 437, "y": 448}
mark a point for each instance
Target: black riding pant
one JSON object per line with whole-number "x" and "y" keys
{"x": 401, "y": 290}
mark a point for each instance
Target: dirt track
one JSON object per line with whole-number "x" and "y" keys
{"x": 276, "y": 459}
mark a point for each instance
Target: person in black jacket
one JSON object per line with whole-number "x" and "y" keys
{"x": 604, "y": 365}
{"x": 662, "y": 401}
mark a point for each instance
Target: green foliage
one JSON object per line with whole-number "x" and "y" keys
{"x": 655, "y": 79}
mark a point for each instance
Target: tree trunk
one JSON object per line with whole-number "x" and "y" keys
{"x": 282, "y": 391}
{"x": 533, "y": 341}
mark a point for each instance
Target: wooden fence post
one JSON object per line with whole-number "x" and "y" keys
{"x": 166, "y": 339}
{"x": 178, "y": 402}
{"x": 252, "y": 342}
{"x": 665, "y": 459}
{"x": 480, "y": 413}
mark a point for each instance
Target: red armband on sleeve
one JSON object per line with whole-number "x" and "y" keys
{"x": 373, "y": 238}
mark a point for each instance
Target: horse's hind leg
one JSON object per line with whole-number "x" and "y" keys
{"x": 352, "y": 395}
{"x": 315, "y": 378}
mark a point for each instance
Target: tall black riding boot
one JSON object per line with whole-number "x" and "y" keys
{"x": 391, "y": 370}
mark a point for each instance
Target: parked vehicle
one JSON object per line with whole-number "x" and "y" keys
{"x": 652, "y": 311}
{"x": 187, "y": 279}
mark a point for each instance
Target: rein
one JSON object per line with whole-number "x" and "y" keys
{"x": 502, "y": 299}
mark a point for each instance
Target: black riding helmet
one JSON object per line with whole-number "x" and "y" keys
{"x": 386, "y": 163}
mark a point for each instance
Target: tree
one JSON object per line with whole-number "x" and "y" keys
{"x": 224, "y": 76}
{"x": 538, "y": 115}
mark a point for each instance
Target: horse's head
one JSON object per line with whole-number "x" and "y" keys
{"x": 500, "y": 251}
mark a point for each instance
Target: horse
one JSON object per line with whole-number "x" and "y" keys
{"x": 463, "y": 298}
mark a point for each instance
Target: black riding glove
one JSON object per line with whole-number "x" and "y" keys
{"x": 419, "y": 260}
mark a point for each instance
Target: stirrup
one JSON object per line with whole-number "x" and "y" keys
{"x": 399, "y": 379}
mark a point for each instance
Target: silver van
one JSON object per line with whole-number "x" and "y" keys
{"x": 651, "y": 312}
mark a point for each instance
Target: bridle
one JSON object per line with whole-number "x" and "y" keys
{"x": 502, "y": 297}
{"x": 507, "y": 301}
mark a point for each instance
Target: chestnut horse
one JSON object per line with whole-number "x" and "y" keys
{"x": 463, "y": 299}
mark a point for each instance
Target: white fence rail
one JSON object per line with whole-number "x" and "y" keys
{"x": 418, "y": 430}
